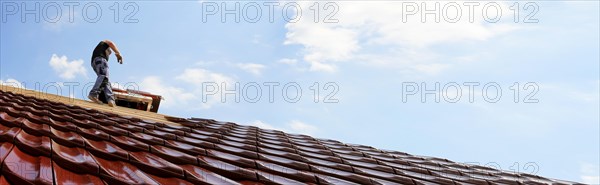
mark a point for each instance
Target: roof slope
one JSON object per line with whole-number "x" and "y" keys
{"x": 49, "y": 142}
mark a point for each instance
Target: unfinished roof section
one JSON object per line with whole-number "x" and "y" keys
{"x": 44, "y": 141}
{"x": 135, "y": 99}
{"x": 150, "y": 116}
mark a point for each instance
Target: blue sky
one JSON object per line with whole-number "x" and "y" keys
{"x": 364, "y": 59}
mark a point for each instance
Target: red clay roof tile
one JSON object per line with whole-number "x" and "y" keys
{"x": 47, "y": 142}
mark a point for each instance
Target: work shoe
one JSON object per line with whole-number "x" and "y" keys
{"x": 94, "y": 99}
{"x": 112, "y": 103}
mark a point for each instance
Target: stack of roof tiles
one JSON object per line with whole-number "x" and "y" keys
{"x": 46, "y": 142}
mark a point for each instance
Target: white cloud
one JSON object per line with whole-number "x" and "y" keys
{"x": 322, "y": 43}
{"x": 263, "y": 125}
{"x": 288, "y": 61}
{"x": 589, "y": 174}
{"x": 294, "y": 126}
{"x": 590, "y": 179}
{"x": 197, "y": 76}
{"x": 172, "y": 95}
{"x": 374, "y": 30}
{"x": 302, "y": 128}
{"x": 67, "y": 69}
{"x": 189, "y": 97}
{"x": 255, "y": 69}
{"x": 12, "y": 83}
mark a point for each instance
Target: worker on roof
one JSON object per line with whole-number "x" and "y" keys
{"x": 100, "y": 66}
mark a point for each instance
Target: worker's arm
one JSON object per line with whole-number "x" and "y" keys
{"x": 113, "y": 46}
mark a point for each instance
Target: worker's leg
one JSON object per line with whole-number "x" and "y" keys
{"x": 99, "y": 64}
{"x": 107, "y": 86}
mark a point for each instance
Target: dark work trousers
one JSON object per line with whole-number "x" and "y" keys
{"x": 100, "y": 66}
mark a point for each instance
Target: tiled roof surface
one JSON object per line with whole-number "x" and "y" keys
{"x": 46, "y": 142}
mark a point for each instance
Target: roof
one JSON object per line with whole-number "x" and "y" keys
{"x": 49, "y": 141}
{"x": 135, "y": 99}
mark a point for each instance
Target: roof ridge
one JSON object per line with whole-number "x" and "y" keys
{"x": 123, "y": 111}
